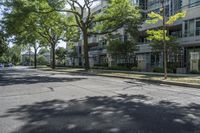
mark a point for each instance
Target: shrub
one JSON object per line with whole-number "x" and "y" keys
{"x": 101, "y": 65}
{"x": 194, "y": 72}
{"x": 158, "y": 70}
{"x": 119, "y": 68}
{"x": 161, "y": 70}
{"x": 136, "y": 69}
{"x": 42, "y": 60}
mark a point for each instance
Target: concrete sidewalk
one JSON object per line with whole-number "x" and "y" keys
{"x": 186, "y": 80}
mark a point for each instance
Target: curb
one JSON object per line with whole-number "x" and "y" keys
{"x": 145, "y": 80}
{"x": 156, "y": 81}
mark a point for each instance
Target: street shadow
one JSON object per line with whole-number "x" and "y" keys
{"x": 16, "y": 78}
{"x": 102, "y": 114}
{"x": 143, "y": 83}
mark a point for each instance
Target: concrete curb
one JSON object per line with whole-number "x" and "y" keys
{"x": 145, "y": 80}
{"x": 139, "y": 79}
{"x": 156, "y": 81}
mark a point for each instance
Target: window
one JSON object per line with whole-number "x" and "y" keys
{"x": 186, "y": 29}
{"x": 191, "y": 27}
{"x": 194, "y": 55}
{"x": 176, "y": 6}
{"x": 194, "y": 3}
{"x": 197, "y": 27}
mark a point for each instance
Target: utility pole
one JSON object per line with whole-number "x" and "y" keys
{"x": 164, "y": 38}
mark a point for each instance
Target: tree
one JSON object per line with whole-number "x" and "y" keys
{"x": 43, "y": 51}
{"x": 110, "y": 20}
{"x": 123, "y": 49}
{"x": 32, "y": 26}
{"x": 71, "y": 52}
{"x": 161, "y": 35}
{"x": 12, "y": 55}
{"x": 42, "y": 60}
{"x": 3, "y": 45}
{"x": 61, "y": 54}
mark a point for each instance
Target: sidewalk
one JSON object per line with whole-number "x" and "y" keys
{"x": 186, "y": 80}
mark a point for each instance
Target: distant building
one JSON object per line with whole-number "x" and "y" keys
{"x": 27, "y": 58}
{"x": 47, "y": 56}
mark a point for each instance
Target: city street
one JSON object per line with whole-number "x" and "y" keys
{"x": 34, "y": 101}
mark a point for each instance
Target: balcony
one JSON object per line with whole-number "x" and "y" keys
{"x": 143, "y": 48}
{"x": 190, "y": 41}
{"x": 92, "y": 40}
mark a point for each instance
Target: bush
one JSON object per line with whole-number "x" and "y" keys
{"x": 158, "y": 70}
{"x": 42, "y": 60}
{"x": 161, "y": 70}
{"x": 136, "y": 69}
{"x": 101, "y": 65}
{"x": 194, "y": 72}
{"x": 119, "y": 68}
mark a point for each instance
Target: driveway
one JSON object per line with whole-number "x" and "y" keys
{"x": 33, "y": 101}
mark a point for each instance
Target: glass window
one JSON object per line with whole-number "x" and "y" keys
{"x": 198, "y": 27}
{"x": 191, "y": 27}
{"x": 186, "y": 29}
{"x": 194, "y": 3}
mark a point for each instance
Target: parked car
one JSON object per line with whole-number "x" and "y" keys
{"x": 1, "y": 65}
{"x": 10, "y": 65}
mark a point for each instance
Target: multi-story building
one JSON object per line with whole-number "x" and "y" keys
{"x": 186, "y": 30}
{"x": 98, "y": 54}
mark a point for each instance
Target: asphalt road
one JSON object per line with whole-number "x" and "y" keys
{"x": 33, "y": 101}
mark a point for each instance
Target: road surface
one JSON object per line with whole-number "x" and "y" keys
{"x": 33, "y": 101}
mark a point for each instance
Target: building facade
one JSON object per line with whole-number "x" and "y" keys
{"x": 187, "y": 32}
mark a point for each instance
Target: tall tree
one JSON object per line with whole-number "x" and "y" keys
{"x": 3, "y": 45}
{"x": 161, "y": 35}
{"x": 123, "y": 49}
{"x": 32, "y": 26}
{"x": 72, "y": 52}
{"x": 114, "y": 17}
{"x": 61, "y": 55}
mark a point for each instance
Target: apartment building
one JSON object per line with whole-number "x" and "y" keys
{"x": 97, "y": 44}
{"x": 187, "y": 31}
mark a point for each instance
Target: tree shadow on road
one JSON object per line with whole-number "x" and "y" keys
{"x": 101, "y": 114}
{"x": 6, "y": 81}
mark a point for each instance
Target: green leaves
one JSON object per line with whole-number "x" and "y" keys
{"x": 3, "y": 45}
{"x": 121, "y": 48}
{"x": 154, "y": 18}
{"x": 176, "y": 17}
{"x": 116, "y": 15}
{"x": 157, "y": 35}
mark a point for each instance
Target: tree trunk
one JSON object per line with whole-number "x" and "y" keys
{"x": 53, "y": 63}
{"x": 86, "y": 55}
{"x": 164, "y": 42}
{"x": 35, "y": 57}
{"x": 29, "y": 53}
